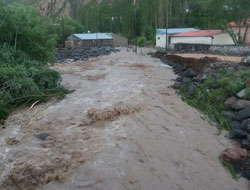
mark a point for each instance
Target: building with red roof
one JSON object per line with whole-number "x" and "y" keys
{"x": 241, "y": 29}
{"x": 211, "y": 37}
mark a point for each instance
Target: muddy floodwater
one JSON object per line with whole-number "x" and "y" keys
{"x": 123, "y": 128}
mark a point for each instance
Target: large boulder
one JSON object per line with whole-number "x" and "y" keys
{"x": 230, "y": 101}
{"x": 237, "y": 134}
{"x": 243, "y": 114}
{"x": 233, "y": 155}
{"x": 246, "y": 143}
{"x": 241, "y": 104}
{"x": 228, "y": 115}
{"x": 246, "y": 125}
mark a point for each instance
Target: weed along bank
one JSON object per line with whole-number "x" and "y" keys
{"x": 89, "y": 40}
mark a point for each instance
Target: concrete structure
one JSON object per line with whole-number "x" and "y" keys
{"x": 242, "y": 29}
{"x": 119, "y": 41}
{"x": 210, "y": 37}
{"x": 89, "y": 40}
{"x": 235, "y": 50}
{"x": 161, "y": 35}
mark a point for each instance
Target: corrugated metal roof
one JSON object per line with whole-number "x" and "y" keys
{"x": 200, "y": 33}
{"x": 94, "y": 36}
{"x": 174, "y": 30}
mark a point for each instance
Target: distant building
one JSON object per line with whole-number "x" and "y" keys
{"x": 119, "y": 41}
{"x": 242, "y": 29}
{"x": 161, "y": 35}
{"x": 89, "y": 40}
{"x": 211, "y": 37}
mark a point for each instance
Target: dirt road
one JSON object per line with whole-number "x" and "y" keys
{"x": 122, "y": 128}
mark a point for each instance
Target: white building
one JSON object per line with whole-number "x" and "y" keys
{"x": 211, "y": 37}
{"x": 161, "y": 35}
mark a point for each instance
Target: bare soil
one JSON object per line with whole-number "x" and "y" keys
{"x": 219, "y": 57}
{"x": 127, "y": 130}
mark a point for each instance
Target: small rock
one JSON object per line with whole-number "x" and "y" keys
{"x": 179, "y": 79}
{"x": 214, "y": 86}
{"x": 246, "y": 125}
{"x": 12, "y": 141}
{"x": 177, "y": 85}
{"x": 236, "y": 124}
{"x": 42, "y": 136}
{"x": 189, "y": 73}
{"x": 245, "y": 144}
{"x": 232, "y": 155}
{"x": 245, "y": 61}
{"x": 228, "y": 115}
{"x": 241, "y": 104}
{"x": 229, "y": 102}
{"x": 243, "y": 114}
{"x": 186, "y": 80}
{"x": 237, "y": 134}
{"x": 191, "y": 90}
{"x": 241, "y": 94}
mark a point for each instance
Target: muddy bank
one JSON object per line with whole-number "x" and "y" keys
{"x": 218, "y": 89}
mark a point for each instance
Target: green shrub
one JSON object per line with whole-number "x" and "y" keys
{"x": 25, "y": 81}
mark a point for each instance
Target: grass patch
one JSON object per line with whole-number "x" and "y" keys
{"x": 210, "y": 95}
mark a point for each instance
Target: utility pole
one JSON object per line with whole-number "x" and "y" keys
{"x": 135, "y": 27}
{"x": 135, "y": 31}
{"x": 63, "y": 30}
{"x": 167, "y": 42}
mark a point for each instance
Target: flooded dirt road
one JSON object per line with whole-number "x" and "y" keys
{"x": 122, "y": 128}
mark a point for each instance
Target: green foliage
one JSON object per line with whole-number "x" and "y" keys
{"x": 231, "y": 169}
{"x": 211, "y": 101}
{"x": 24, "y": 29}
{"x": 65, "y": 27}
{"x": 27, "y": 45}
{"x": 141, "y": 41}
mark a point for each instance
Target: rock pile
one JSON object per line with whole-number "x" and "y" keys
{"x": 76, "y": 54}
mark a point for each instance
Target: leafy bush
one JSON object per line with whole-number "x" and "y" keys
{"x": 27, "y": 45}
{"x": 22, "y": 28}
{"x": 141, "y": 41}
{"x": 25, "y": 82}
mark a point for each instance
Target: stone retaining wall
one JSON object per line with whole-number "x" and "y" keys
{"x": 237, "y": 50}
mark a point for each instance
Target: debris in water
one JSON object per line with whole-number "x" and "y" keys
{"x": 42, "y": 136}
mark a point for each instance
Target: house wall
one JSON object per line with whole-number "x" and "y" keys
{"x": 161, "y": 41}
{"x": 223, "y": 39}
{"x": 76, "y": 43}
{"x": 237, "y": 50}
{"x": 243, "y": 30}
{"x": 120, "y": 41}
{"x": 190, "y": 40}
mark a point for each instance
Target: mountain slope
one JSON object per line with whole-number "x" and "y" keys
{"x": 55, "y": 8}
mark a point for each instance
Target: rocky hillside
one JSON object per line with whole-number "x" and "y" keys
{"x": 56, "y": 8}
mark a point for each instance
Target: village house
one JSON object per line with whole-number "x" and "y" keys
{"x": 161, "y": 35}
{"x": 243, "y": 29}
{"x": 89, "y": 40}
{"x": 96, "y": 39}
{"x": 210, "y": 37}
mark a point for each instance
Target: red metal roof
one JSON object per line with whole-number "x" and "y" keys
{"x": 233, "y": 23}
{"x": 200, "y": 33}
